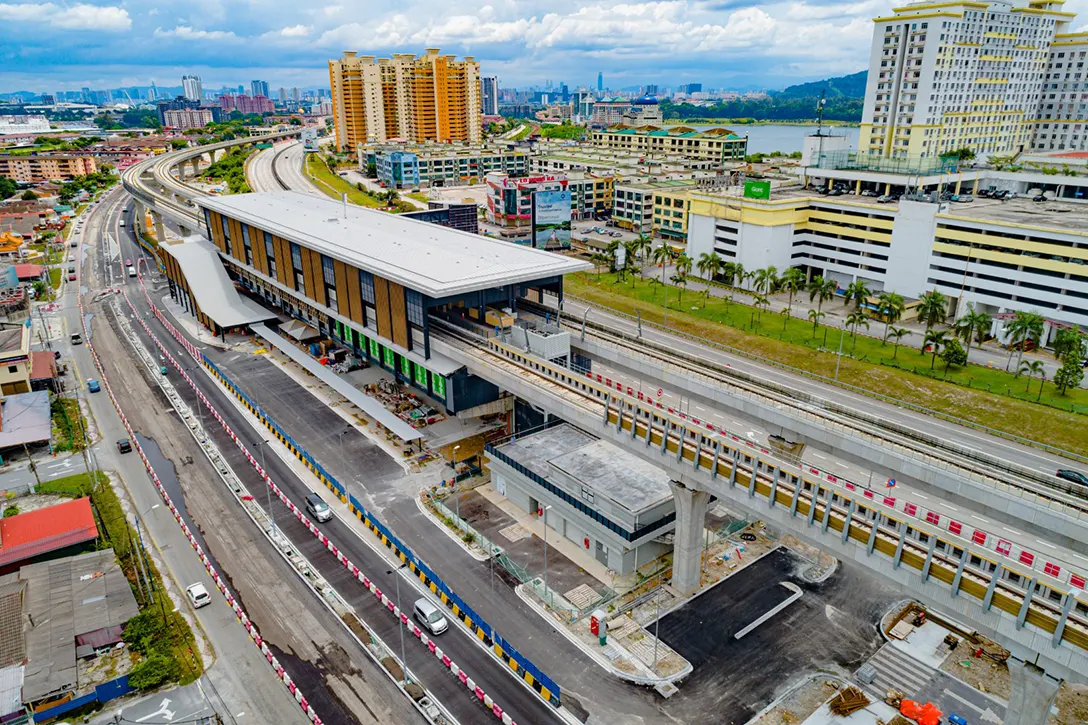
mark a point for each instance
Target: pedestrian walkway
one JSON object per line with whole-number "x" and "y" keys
{"x": 899, "y": 671}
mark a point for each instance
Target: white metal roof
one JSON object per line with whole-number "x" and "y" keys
{"x": 210, "y": 285}
{"x": 432, "y": 259}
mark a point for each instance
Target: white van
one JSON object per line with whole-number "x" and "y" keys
{"x": 122, "y": 222}
{"x": 430, "y": 616}
{"x": 131, "y": 271}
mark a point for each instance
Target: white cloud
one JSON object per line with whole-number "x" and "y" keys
{"x": 331, "y": 10}
{"x": 186, "y": 32}
{"x": 292, "y": 31}
{"x": 74, "y": 17}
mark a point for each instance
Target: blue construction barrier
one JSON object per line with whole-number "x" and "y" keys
{"x": 543, "y": 685}
{"x": 102, "y": 693}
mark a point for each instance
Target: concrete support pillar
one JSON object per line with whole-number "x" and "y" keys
{"x": 634, "y": 422}
{"x": 160, "y": 228}
{"x": 607, "y": 401}
{"x": 827, "y": 512}
{"x": 899, "y": 548}
{"x": 681, "y": 434}
{"x": 871, "y": 544}
{"x": 650, "y": 429}
{"x": 733, "y": 469}
{"x": 185, "y": 231}
{"x": 687, "y": 549}
{"x": 959, "y": 574}
{"x": 717, "y": 455}
{"x": 988, "y": 599}
{"x": 849, "y": 518}
{"x": 665, "y": 436}
{"x": 695, "y": 460}
{"x": 752, "y": 480}
{"x": 1026, "y": 604}
{"x": 1032, "y": 695}
{"x": 1067, "y": 606}
{"x": 619, "y": 412}
{"x": 774, "y": 487}
{"x": 812, "y": 505}
{"x": 929, "y": 558}
{"x": 796, "y": 497}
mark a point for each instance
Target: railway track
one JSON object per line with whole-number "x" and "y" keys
{"x": 965, "y": 461}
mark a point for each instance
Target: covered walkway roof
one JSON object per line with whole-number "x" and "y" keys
{"x": 212, "y": 289}
{"x": 364, "y": 402}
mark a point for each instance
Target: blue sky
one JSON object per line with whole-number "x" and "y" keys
{"x": 54, "y": 45}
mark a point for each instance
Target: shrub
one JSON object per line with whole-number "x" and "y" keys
{"x": 11, "y": 511}
{"x": 153, "y": 671}
{"x": 144, "y": 631}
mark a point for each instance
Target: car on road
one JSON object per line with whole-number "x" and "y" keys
{"x": 71, "y": 268}
{"x": 198, "y": 595}
{"x": 74, "y": 243}
{"x": 318, "y": 508}
{"x": 76, "y": 338}
{"x": 92, "y": 385}
{"x": 430, "y": 616}
{"x": 124, "y": 446}
{"x": 128, "y": 262}
{"x": 1075, "y": 476}
{"x": 71, "y": 276}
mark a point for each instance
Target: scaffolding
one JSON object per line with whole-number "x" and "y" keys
{"x": 865, "y": 161}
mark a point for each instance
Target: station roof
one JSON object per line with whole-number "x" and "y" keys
{"x": 432, "y": 259}
{"x": 213, "y": 289}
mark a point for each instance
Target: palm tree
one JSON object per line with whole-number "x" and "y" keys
{"x": 741, "y": 273}
{"x": 655, "y": 283}
{"x": 1033, "y": 368}
{"x": 760, "y": 302}
{"x": 680, "y": 281}
{"x": 982, "y": 328}
{"x": 729, "y": 272}
{"x": 855, "y": 318}
{"x": 822, "y": 289}
{"x": 973, "y": 325}
{"x": 1024, "y": 326}
{"x": 683, "y": 265}
{"x": 815, "y": 316}
{"x": 630, "y": 258}
{"x": 766, "y": 280}
{"x": 599, "y": 260}
{"x": 891, "y": 305}
{"x": 932, "y": 308}
{"x": 793, "y": 280}
{"x": 898, "y": 333}
{"x": 661, "y": 255}
{"x": 857, "y": 292}
{"x": 708, "y": 265}
{"x": 644, "y": 245}
{"x": 610, "y": 249}
{"x": 935, "y": 340}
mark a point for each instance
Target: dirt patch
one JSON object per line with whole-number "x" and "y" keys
{"x": 801, "y": 703}
{"x": 1072, "y": 704}
{"x": 994, "y": 678}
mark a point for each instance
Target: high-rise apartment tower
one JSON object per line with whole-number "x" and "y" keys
{"x": 191, "y": 88}
{"x": 431, "y": 97}
{"x": 489, "y": 95}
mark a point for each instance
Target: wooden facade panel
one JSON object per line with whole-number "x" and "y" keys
{"x": 256, "y": 239}
{"x": 284, "y": 272}
{"x": 236, "y": 249}
{"x": 308, "y": 274}
{"x": 355, "y": 296}
{"x": 341, "y": 286}
{"x": 398, "y": 315}
{"x": 381, "y": 307}
{"x": 318, "y": 293}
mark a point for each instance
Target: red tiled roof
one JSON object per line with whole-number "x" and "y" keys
{"x": 28, "y": 271}
{"x": 42, "y": 365}
{"x": 48, "y": 529}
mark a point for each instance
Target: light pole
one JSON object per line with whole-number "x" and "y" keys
{"x": 546, "y": 590}
{"x": 400, "y": 623}
{"x": 143, "y": 552}
{"x": 456, "y": 495}
{"x": 657, "y": 624}
{"x": 343, "y": 461}
{"x": 198, "y": 405}
{"x": 264, "y": 476}
{"x": 838, "y": 358}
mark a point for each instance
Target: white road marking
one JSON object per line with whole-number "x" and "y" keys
{"x": 1013, "y": 531}
{"x": 919, "y": 495}
{"x": 1049, "y": 546}
{"x": 819, "y": 455}
{"x": 979, "y": 518}
{"x": 951, "y": 508}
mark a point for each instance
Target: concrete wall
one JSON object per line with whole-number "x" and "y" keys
{"x": 909, "y": 255}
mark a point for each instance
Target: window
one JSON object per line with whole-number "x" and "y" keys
{"x": 366, "y": 286}
{"x": 328, "y": 269}
{"x": 414, "y": 302}
{"x": 226, "y": 229}
{"x": 247, "y": 248}
{"x": 13, "y": 368}
{"x": 296, "y": 257}
{"x": 270, "y": 254}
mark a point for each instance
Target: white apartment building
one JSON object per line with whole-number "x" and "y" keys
{"x": 23, "y": 124}
{"x": 949, "y": 75}
{"x": 1063, "y": 111}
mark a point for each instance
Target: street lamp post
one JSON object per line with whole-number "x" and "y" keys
{"x": 546, "y": 590}
{"x": 838, "y": 358}
{"x": 657, "y": 625}
{"x": 400, "y": 623}
{"x": 343, "y": 461}
{"x": 271, "y": 516}
{"x": 456, "y": 495}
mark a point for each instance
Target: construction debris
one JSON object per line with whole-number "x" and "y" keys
{"x": 848, "y": 701}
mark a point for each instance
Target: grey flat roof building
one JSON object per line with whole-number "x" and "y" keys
{"x": 435, "y": 260}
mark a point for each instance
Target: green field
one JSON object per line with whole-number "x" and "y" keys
{"x": 986, "y": 396}
{"x": 334, "y": 185}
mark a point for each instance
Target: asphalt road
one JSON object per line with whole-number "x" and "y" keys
{"x": 832, "y": 627}
{"x": 187, "y": 704}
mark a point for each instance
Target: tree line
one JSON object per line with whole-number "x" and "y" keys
{"x": 772, "y": 108}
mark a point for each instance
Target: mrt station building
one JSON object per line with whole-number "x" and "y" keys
{"x": 367, "y": 279}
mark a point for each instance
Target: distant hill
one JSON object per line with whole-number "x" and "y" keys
{"x": 851, "y": 86}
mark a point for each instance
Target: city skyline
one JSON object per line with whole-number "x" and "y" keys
{"x": 668, "y": 42}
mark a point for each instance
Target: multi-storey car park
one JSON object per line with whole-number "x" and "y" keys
{"x": 406, "y": 166}
{"x": 1028, "y": 598}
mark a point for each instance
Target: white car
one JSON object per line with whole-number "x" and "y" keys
{"x": 198, "y": 595}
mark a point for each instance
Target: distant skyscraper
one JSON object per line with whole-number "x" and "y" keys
{"x": 489, "y": 95}
{"x": 651, "y": 89}
{"x": 191, "y": 88}
{"x": 600, "y": 81}
{"x": 152, "y": 92}
{"x": 282, "y": 94}
{"x": 47, "y": 99}
{"x": 241, "y": 90}
{"x": 86, "y": 94}
{"x": 296, "y": 95}
{"x": 258, "y": 88}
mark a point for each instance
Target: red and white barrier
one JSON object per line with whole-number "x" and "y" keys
{"x": 298, "y": 512}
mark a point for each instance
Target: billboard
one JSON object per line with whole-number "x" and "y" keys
{"x": 551, "y": 219}
{"x": 757, "y": 189}
{"x": 309, "y": 139}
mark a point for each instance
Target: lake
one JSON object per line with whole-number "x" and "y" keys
{"x": 781, "y": 137}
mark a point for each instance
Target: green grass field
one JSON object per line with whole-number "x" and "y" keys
{"x": 334, "y": 185}
{"x": 986, "y": 396}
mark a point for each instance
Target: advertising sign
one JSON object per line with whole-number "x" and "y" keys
{"x": 757, "y": 189}
{"x": 309, "y": 139}
{"x": 551, "y": 219}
